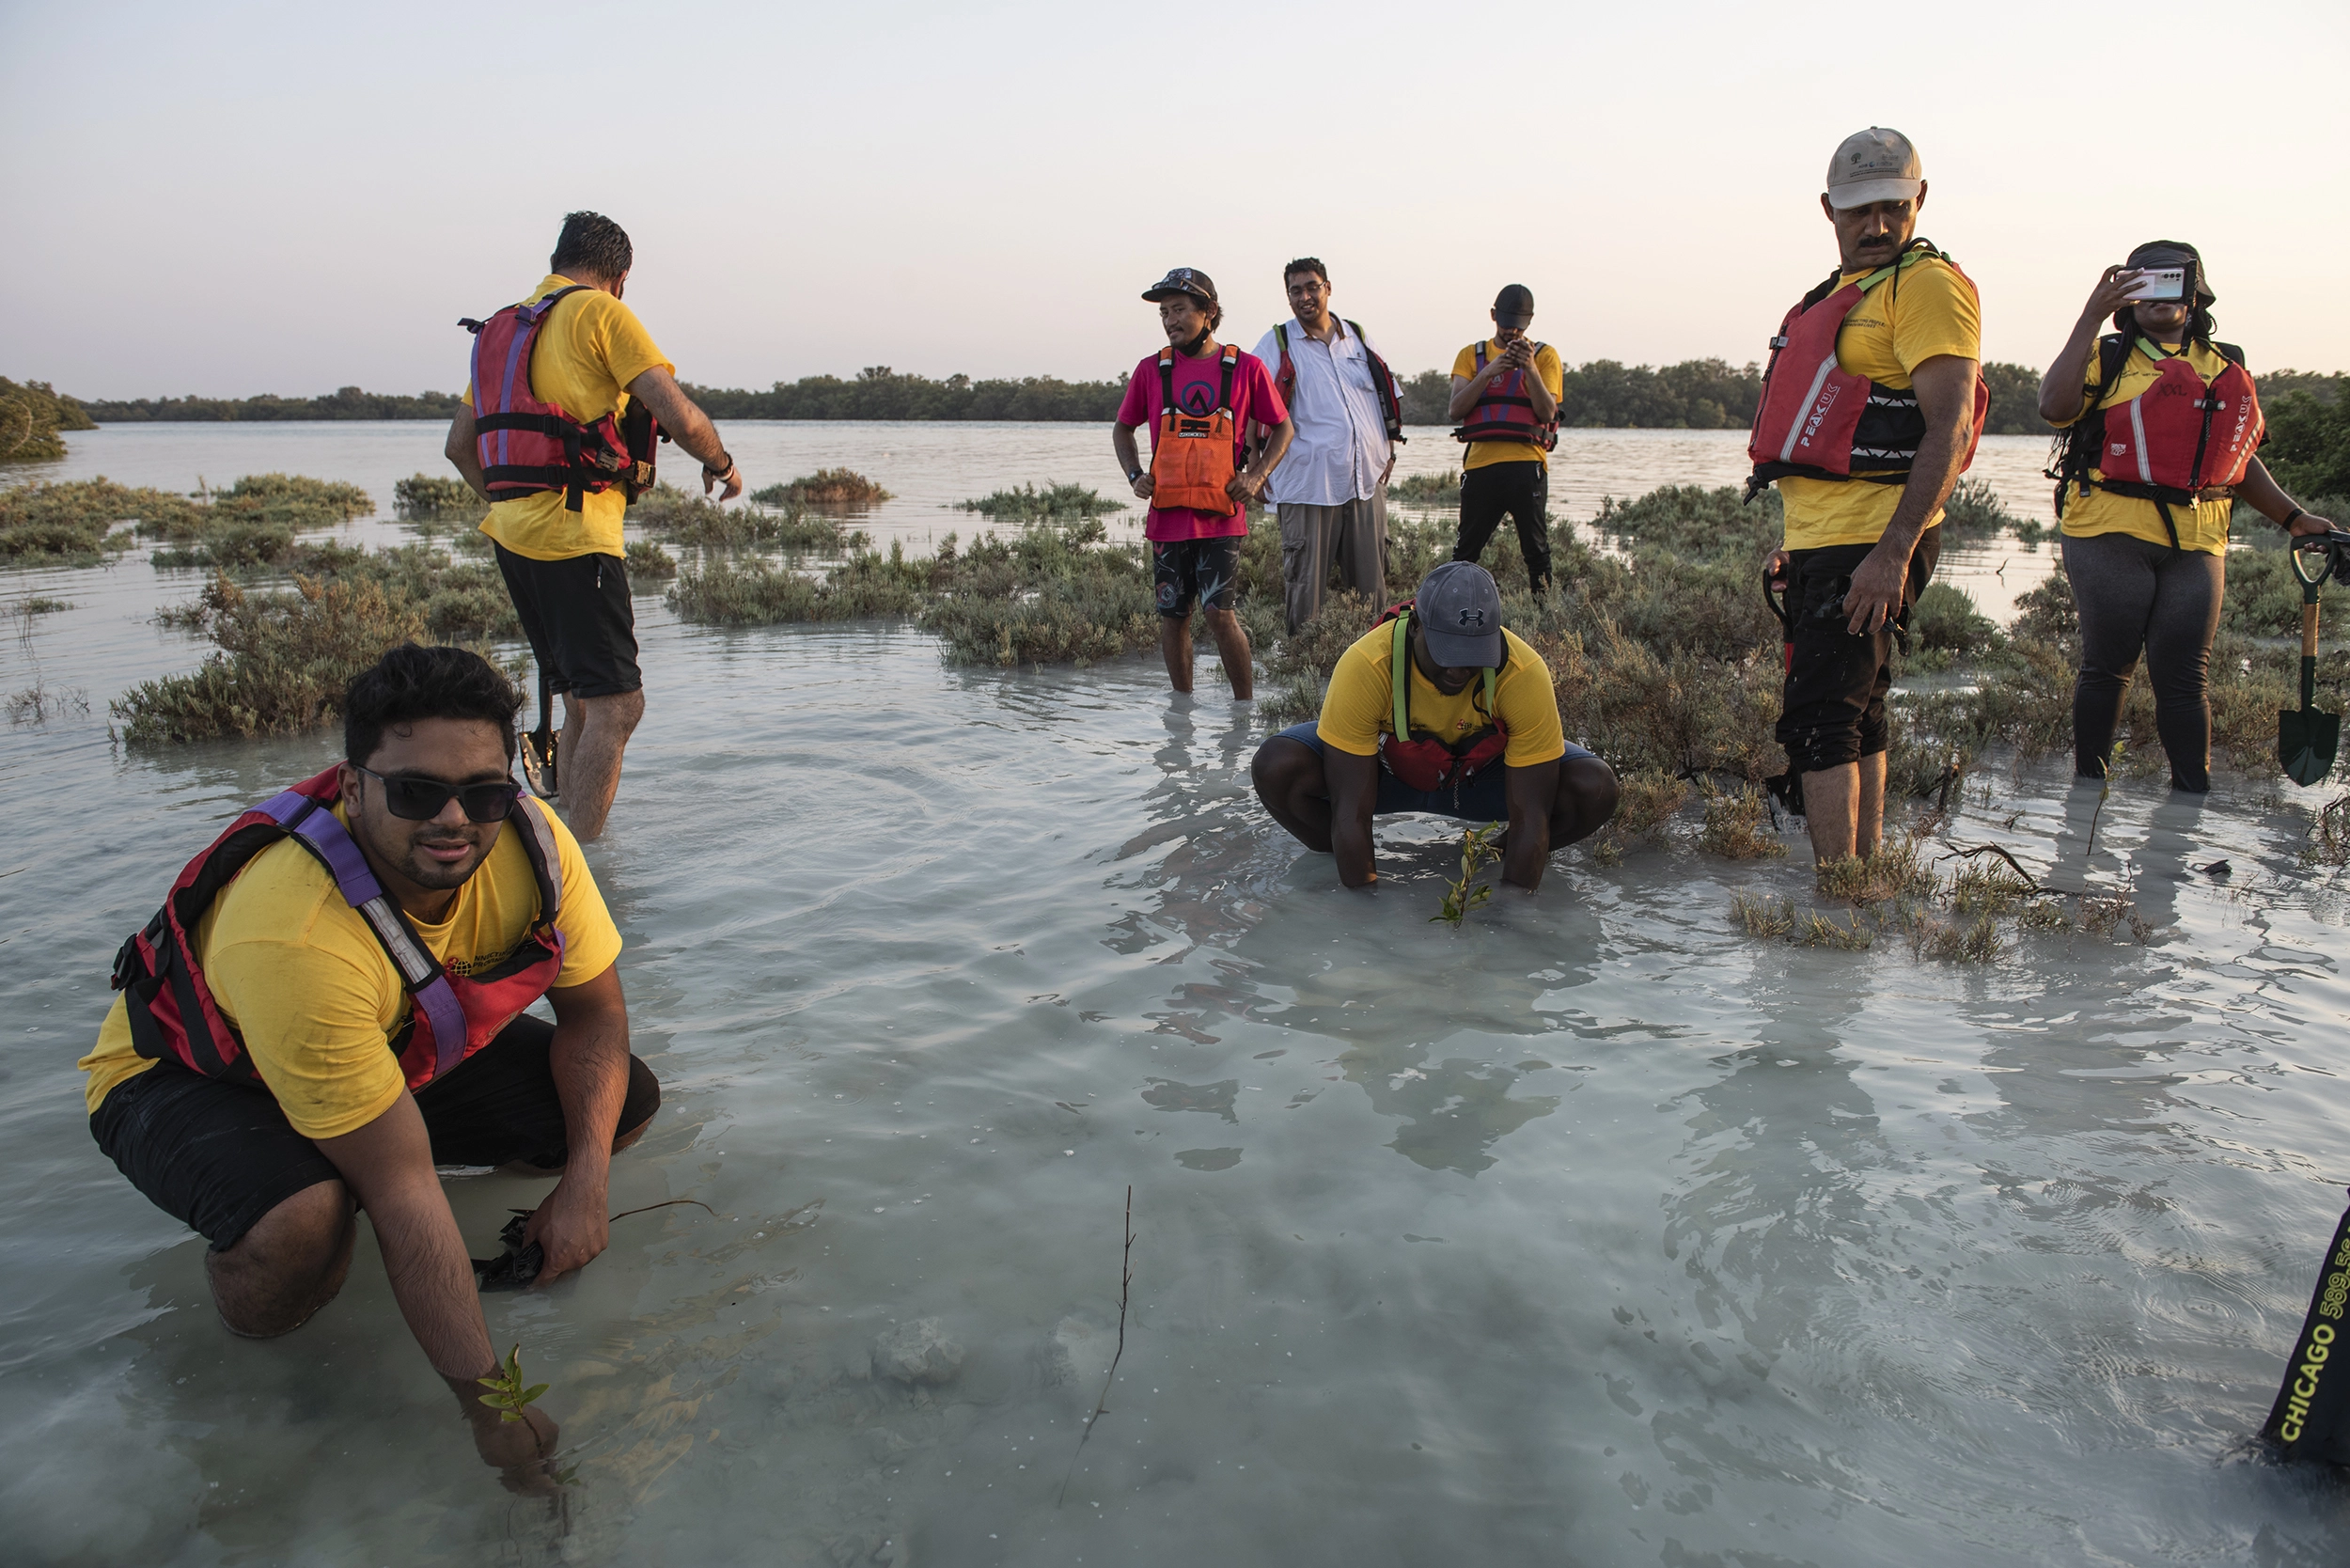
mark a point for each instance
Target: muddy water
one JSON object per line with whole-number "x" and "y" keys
{"x": 1595, "y": 1233}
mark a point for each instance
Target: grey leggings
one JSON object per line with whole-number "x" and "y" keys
{"x": 2134, "y": 594}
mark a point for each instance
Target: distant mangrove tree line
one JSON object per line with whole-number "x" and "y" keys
{"x": 1696, "y": 394}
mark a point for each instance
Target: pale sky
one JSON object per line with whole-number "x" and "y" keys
{"x": 237, "y": 198}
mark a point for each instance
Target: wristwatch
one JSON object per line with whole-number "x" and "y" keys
{"x": 1133, "y": 474}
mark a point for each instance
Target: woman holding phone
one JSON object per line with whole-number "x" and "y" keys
{"x": 2160, "y": 429}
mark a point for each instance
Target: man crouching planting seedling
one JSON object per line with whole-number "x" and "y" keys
{"x": 1440, "y": 709}
{"x": 330, "y": 1001}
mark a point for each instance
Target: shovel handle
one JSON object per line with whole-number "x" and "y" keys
{"x": 2309, "y": 630}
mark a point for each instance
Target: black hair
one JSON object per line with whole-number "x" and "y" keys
{"x": 592, "y": 243}
{"x": 1306, "y": 264}
{"x": 411, "y": 683}
{"x": 2200, "y": 323}
{"x": 1214, "y": 311}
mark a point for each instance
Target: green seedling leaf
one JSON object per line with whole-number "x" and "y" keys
{"x": 507, "y": 1394}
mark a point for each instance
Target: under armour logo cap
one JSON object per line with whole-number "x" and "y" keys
{"x": 1875, "y": 165}
{"x": 1460, "y": 610}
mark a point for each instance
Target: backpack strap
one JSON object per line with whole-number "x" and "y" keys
{"x": 1166, "y": 382}
{"x": 1224, "y": 390}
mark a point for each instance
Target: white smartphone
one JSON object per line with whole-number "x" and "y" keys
{"x": 2160, "y": 283}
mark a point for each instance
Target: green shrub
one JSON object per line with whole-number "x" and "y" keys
{"x": 649, "y": 562}
{"x": 1427, "y": 490}
{"x": 438, "y": 497}
{"x": 826, "y": 487}
{"x": 1945, "y": 618}
{"x": 696, "y": 519}
{"x": 73, "y": 522}
{"x": 1054, "y": 503}
{"x": 1974, "y": 510}
{"x": 2308, "y": 444}
{"x": 756, "y": 592}
{"x": 284, "y": 661}
{"x": 30, "y": 417}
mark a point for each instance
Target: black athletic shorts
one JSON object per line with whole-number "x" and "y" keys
{"x": 1184, "y": 568}
{"x": 1833, "y": 710}
{"x": 579, "y": 618}
{"x": 219, "y": 1155}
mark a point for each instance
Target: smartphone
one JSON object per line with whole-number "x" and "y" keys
{"x": 2160, "y": 284}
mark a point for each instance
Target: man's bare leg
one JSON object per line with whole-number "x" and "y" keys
{"x": 1844, "y": 809}
{"x": 1231, "y": 641}
{"x": 287, "y": 1265}
{"x": 1175, "y": 647}
{"x": 595, "y": 731}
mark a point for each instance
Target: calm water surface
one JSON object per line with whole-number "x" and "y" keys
{"x": 1595, "y": 1233}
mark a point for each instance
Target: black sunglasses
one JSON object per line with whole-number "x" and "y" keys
{"x": 420, "y": 800}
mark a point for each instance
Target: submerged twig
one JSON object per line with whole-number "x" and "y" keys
{"x": 2033, "y": 881}
{"x": 1125, "y": 1288}
{"x": 650, "y": 1207}
{"x": 1477, "y": 852}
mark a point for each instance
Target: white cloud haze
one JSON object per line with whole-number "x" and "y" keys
{"x": 245, "y": 198}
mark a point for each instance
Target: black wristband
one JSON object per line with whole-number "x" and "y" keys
{"x": 724, "y": 468}
{"x": 2289, "y": 519}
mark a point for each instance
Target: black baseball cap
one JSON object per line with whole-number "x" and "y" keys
{"x": 1183, "y": 281}
{"x": 1514, "y": 305}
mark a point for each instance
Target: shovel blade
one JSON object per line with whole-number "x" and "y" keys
{"x": 2306, "y": 741}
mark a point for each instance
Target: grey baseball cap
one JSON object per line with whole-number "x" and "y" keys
{"x": 1515, "y": 307}
{"x": 1875, "y": 165}
{"x": 1460, "y": 610}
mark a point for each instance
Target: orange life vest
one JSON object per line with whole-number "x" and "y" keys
{"x": 1191, "y": 455}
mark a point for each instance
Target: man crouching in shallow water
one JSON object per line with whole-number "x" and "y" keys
{"x": 1472, "y": 732}
{"x": 331, "y": 1003}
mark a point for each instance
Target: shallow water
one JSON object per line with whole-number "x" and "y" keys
{"x": 1595, "y": 1233}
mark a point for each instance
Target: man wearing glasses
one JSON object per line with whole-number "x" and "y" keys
{"x": 330, "y": 1003}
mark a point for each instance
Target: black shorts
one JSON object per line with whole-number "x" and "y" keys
{"x": 1184, "y": 568}
{"x": 218, "y": 1155}
{"x": 579, "y": 618}
{"x": 1833, "y": 709}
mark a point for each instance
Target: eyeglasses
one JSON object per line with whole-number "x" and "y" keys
{"x": 420, "y": 800}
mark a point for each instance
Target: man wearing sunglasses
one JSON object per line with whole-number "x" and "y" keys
{"x": 367, "y": 942}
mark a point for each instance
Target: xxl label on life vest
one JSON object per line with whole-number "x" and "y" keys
{"x": 2312, "y": 1417}
{"x": 2183, "y": 432}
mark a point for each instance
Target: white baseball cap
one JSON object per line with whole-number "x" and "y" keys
{"x": 1875, "y": 165}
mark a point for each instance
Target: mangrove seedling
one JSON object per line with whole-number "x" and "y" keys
{"x": 1478, "y": 851}
{"x": 507, "y": 1393}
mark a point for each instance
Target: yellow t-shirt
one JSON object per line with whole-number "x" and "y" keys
{"x": 591, "y": 347}
{"x": 1360, "y": 705}
{"x": 2201, "y": 526}
{"x": 1897, "y": 326}
{"x": 313, "y": 995}
{"x": 1546, "y": 366}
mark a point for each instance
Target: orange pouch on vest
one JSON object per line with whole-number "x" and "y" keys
{"x": 1191, "y": 462}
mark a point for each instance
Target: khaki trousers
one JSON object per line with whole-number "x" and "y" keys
{"x": 1352, "y": 535}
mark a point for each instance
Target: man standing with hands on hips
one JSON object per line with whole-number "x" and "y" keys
{"x": 1198, "y": 397}
{"x": 1871, "y": 405}
{"x": 1505, "y": 393}
{"x": 1331, "y": 491}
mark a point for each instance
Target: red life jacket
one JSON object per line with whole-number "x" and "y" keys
{"x": 527, "y": 445}
{"x": 1819, "y": 422}
{"x": 1424, "y": 763}
{"x": 1505, "y": 413}
{"x": 1382, "y": 379}
{"x": 173, "y": 1017}
{"x": 2180, "y": 441}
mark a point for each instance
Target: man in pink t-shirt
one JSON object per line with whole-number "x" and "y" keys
{"x": 1195, "y": 549}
